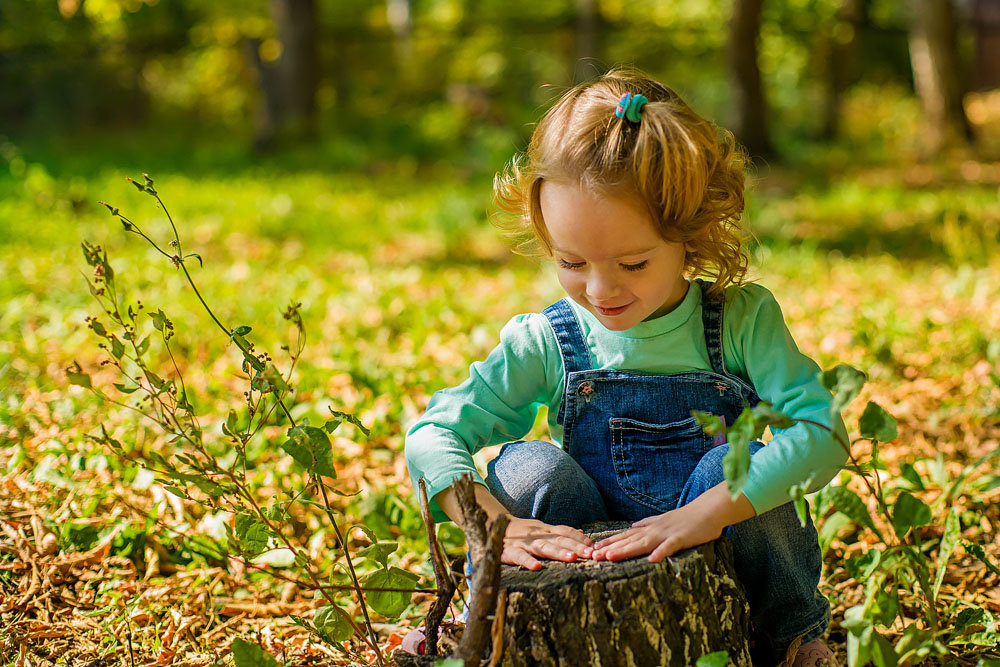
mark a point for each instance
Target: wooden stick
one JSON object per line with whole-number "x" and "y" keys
{"x": 442, "y": 574}
{"x": 485, "y": 544}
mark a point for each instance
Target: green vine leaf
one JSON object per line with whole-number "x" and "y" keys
{"x": 389, "y": 603}
{"x": 252, "y": 535}
{"x": 331, "y": 624}
{"x": 311, "y": 448}
{"x": 845, "y": 382}
{"x": 877, "y": 424}
{"x": 848, "y": 503}
{"x": 909, "y": 512}
{"x": 246, "y": 654}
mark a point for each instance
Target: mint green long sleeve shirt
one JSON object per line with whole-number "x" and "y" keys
{"x": 500, "y": 400}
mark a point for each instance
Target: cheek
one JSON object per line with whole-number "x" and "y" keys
{"x": 571, "y": 281}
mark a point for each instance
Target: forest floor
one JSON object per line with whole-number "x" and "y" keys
{"x": 894, "y": 269}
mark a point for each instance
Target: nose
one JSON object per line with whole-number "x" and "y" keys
{"x": 601, "y": 286}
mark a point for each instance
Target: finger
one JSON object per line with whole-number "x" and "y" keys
{"x": 551, "y": 550}
{"x": 643, "y": 522}
{"x": 638, "y": 545}
{"x": 521, "y": 557}
{"x": 607, "y": 541}
{"x": 667, "y": 547}
{"x": 574, "y": 533}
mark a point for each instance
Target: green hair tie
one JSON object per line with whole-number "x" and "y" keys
{"x": 630, "y": 106}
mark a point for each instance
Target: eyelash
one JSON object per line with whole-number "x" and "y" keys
{"x": 627, "y": 267}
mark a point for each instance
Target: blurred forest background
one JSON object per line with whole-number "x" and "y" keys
{"x": 340, "y": 153}
{"x": 422, "y": 77}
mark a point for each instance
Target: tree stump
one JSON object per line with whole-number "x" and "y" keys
{"x": 627, "y": 613}
{"x": 630, "y": 613}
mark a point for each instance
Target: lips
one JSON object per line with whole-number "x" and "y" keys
{"x": 608, "y": 312}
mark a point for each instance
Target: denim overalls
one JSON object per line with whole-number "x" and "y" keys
{"x": 631, "y": 449}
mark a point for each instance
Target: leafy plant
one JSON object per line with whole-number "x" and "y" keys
{"x": 216, "y": 472}
{"x": 898, "y": 563}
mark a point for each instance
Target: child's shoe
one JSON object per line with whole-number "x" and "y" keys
{"x": 414, "y": 642}
{"x": 815, "y": 654}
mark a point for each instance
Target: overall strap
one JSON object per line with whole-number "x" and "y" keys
{"x": 711, "y": 319}
{"x": 572, "y": 346}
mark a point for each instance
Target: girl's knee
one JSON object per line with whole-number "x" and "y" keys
{"x": 536, "y": 479}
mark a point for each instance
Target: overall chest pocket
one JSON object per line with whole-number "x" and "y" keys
{"x": 653, "y": 461}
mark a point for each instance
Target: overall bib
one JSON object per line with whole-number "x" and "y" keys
{"x": 633, "y": 433}
{"x": 631, "y": 449}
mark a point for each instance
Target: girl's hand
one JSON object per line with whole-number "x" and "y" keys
{"x": 700, "y": 521}
{"x": 659, "y": 536}
{"x": 527, "y": 539}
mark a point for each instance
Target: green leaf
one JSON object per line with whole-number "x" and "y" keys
{"x": 977, "y": 551}
{"x": 878, "y": 424}
{"x": 76, "y": 376}
{"x": 196, "y": 256}
{"x": 908, "y": 512}
{"x": 388, "y": 603}
{"x": 246, "y": 654}
{"x": 764, "y": 414}
{"x": 883, "y": 654}
{"x": 332, "y": 624}
{"x": 310, "y": 447}
{"x": 848, "y": 503}
{"x": 142, "y": 347}
{"x": 717, "y": 659}
{"x": 117, "y": 347}
{"x": 251, "y": 534}
{"x": 449, "y": 662}
{"x": 710, "y": 424}
{"x": 861, "y": 566}
{"x": 736, "y": 462}
{"x": 231, "y": 424}
{"x": 735, "y": 466}
{"x": 949, "y": 540}
{"x": 124, "y": 389}
{"x": 859, "y": 647}
{"x": 273, "y": 375}
{"x": 98, "y": 328}
{"x": 914, "y": 642}
{"x": 159, "y": 319}
{"x": 797, "y": 492}
{"x": 908, "y": 472}
{"x": 345, "y": 417}
{"x": 242, "y": 330}
{"x": 154, "y": 380}
{"x": 379, "y": 552}
{"x": 845, "y": 383}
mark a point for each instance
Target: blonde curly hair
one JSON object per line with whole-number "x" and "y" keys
{"x": 688, "y": 172}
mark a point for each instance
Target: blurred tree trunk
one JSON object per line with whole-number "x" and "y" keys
{"x": 936, "y": 73}
{"x": 288, "y": 85}
{"x": 586, "y": 40}
{"x": 838, "y": 54}
{"x": 750, "y": 107}
{"x": 986, "y": 22}
{"x": 400, "y": 16}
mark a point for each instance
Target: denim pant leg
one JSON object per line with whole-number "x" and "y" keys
{"x": 535, "y": 479}
{"x": 778, "y": 562}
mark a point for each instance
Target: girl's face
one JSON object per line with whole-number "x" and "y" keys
{"x": 610, "y": 258}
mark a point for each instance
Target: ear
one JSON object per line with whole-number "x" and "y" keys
{"x": 688, "y": 247}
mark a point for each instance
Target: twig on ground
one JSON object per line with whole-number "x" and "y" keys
{"x": 442, "y": 575}
{"x": 485, "y": 544}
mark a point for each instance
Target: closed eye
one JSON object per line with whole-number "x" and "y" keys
{"x": 636, "y": 267}
{"x": 570, "y": 265}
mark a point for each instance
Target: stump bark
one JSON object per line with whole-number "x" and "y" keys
{"x": 630, "y": 613}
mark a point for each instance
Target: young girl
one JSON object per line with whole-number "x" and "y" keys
{"x": 633, "y": 195}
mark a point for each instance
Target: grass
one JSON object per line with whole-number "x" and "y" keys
{"x": 892, "y": 268}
